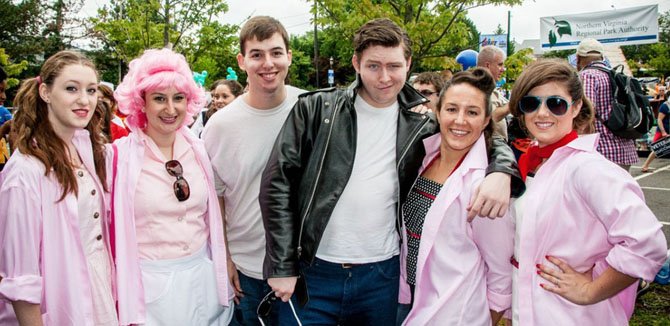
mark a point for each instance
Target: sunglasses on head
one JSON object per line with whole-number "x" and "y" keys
{"x": 180, "y": 186}
{"x": 556, "y": 104}
{"x": 265, "y": 308}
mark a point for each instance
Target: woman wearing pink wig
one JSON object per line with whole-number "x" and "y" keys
{"x": 170, "y": 251}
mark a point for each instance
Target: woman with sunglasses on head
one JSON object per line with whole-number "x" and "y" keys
{"x": 55, "y": 266}
{"x": 584, "y": 235}
{"x": 170, "y": 251}
{"x": 455, "y": 272}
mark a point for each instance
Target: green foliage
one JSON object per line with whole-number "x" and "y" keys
{"x": 12, "y": 69}
{"x": 128, "y": 27}
{"x": 515, "y": 63}
{"x": 438, "y": 29}
{"x": 652, "y": 59}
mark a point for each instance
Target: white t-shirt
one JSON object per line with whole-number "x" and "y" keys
{"x": 362, "y": 226}
{"x": 239, "y": 140}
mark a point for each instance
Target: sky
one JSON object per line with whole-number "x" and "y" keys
{"x": 525, "y": 18}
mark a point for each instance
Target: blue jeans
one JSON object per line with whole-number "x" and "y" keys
{"x": 365, "y": 294}
{"x": 245, "y": 312}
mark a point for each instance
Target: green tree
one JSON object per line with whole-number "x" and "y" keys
{"x": 127, "y": 27}
{"x": 652, "y": 59}
{"x": 438, "y": 29}
{"x": 20, "y": 29}
{"x": 13, "y": 70}
{"x": 515, "y": 63}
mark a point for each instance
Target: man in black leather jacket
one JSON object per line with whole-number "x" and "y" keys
{"x": 331, "y": 207}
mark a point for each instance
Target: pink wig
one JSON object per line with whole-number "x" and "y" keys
{"x": 157, "y": 70}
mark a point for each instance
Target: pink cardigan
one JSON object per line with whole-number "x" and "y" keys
{"x": 587, "y": 211}
{"x": 463, "y": 268}
{"x": 41, "y": 255}
{"x": 131, "y": 150}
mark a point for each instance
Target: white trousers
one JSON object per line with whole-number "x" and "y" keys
{"x": 183, "y": 291}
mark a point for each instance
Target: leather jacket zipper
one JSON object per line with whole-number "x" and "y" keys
{"x": 316, "y": 181}
{"x": 402, "y": 155}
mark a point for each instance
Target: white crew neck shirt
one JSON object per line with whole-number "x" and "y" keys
{"x": 238, "y": 140}
{"x": 361, "y": 228}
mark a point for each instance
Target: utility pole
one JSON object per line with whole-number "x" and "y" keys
{"x": 509, "y": 31}
{"x": 316, "y": 45}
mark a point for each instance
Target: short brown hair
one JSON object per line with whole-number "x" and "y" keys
{"x": 545, "y": 71}
{"x": 384, "y": 32}
{"x": 261, "y": 28}
{"x": 430, "y": 78}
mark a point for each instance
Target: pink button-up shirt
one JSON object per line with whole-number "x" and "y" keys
{"x": 131, "y": 151}
{"x": 42, "y": 259}
{"x": 463, "y": 268}
{"x": 174, "y": 228}
{"x": 586, "y": 211}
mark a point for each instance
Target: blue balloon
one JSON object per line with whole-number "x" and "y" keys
{"x": 467, "y": 59}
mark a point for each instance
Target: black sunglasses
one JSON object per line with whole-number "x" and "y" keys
{"x": 265, "y": 308}
{"x": 556, "y": 104}
{"x": 426, "y": 92}
{"x": 180, "y": 186}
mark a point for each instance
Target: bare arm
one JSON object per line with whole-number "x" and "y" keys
{"x": 500, "y": 112}
{"x": 28, "y": 314}
{"x": 233, "y": 277}
{"x": 661, "y": 128}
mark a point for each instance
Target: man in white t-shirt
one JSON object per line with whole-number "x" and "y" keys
{"x": 341, "y": 167}
{"x": 239, "y": 140}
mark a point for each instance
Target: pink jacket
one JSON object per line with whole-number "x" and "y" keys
{"x": 587, "y": 211}
{"x": 41, "y": 255}
{"x": 130, "y": 291}
{"x": 463, "y": 269}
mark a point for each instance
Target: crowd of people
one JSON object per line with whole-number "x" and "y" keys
{"x": 363, "y": 205}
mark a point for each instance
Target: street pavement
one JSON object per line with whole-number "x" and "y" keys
{"x": 656, "y": 188}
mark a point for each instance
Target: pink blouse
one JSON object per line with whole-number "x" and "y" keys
{"x": 42, "y": 259}
{"x": 166, "y": 227}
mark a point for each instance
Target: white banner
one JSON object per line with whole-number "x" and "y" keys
{"x": 499, "y": 40}
{"x": 636, "y": 25}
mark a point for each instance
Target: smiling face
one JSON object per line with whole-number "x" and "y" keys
{"x": 165, "y": 110}
{"x": 222, "y": 96}
{"x": 383, "y": 73}
{"x": 266, "y": 63}
{"x": 71, "y": 99}
{"x": 546, "y": 127}
{"x": 462, "y": 117}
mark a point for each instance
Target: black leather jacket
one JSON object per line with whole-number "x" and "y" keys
{"x": 312, "y": 160}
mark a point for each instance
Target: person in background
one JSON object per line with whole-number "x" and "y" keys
{"x": 116, "y": 127}
{"x": 5, "y": 115}
{"x": 492, "y": 58}
{"x": 663, "y": 126}
{"x": 452, "y": 271}
{"x": 598, "y": 90}
{"x": 170, "y": 248}
{"x": 584, "y": 234}
{"x": 223, "y": 92}
{"x": 55, "y": 261}
{"x": 429, "y": 84}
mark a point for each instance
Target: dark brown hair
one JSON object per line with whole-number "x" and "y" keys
{"x": 235, "y": 88}
{"x": 34, "y": 134}
{"x": 261, "y": 28}
{"x": 430, "y": 78}
{"x": 481, "y": 79}
{"x": 553, "y": 70}
{"x": 383, "y": 32}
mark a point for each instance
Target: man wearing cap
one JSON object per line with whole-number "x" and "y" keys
{"x": 598, "y": 89}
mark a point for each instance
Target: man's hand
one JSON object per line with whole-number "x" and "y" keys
{"x": 234, "y": 279}
{"x": 491, "y": 198}
{"x": 283, "y": 286}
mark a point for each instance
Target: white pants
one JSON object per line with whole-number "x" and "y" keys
{"x": 183, "y": 291}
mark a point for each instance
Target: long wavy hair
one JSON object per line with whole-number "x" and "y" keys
{"x": 35, "y": 135}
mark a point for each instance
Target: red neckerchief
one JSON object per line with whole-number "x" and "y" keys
{"x": 530, "y": 160}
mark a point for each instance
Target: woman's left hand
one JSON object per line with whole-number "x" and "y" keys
{"x": 566, "y": 282}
